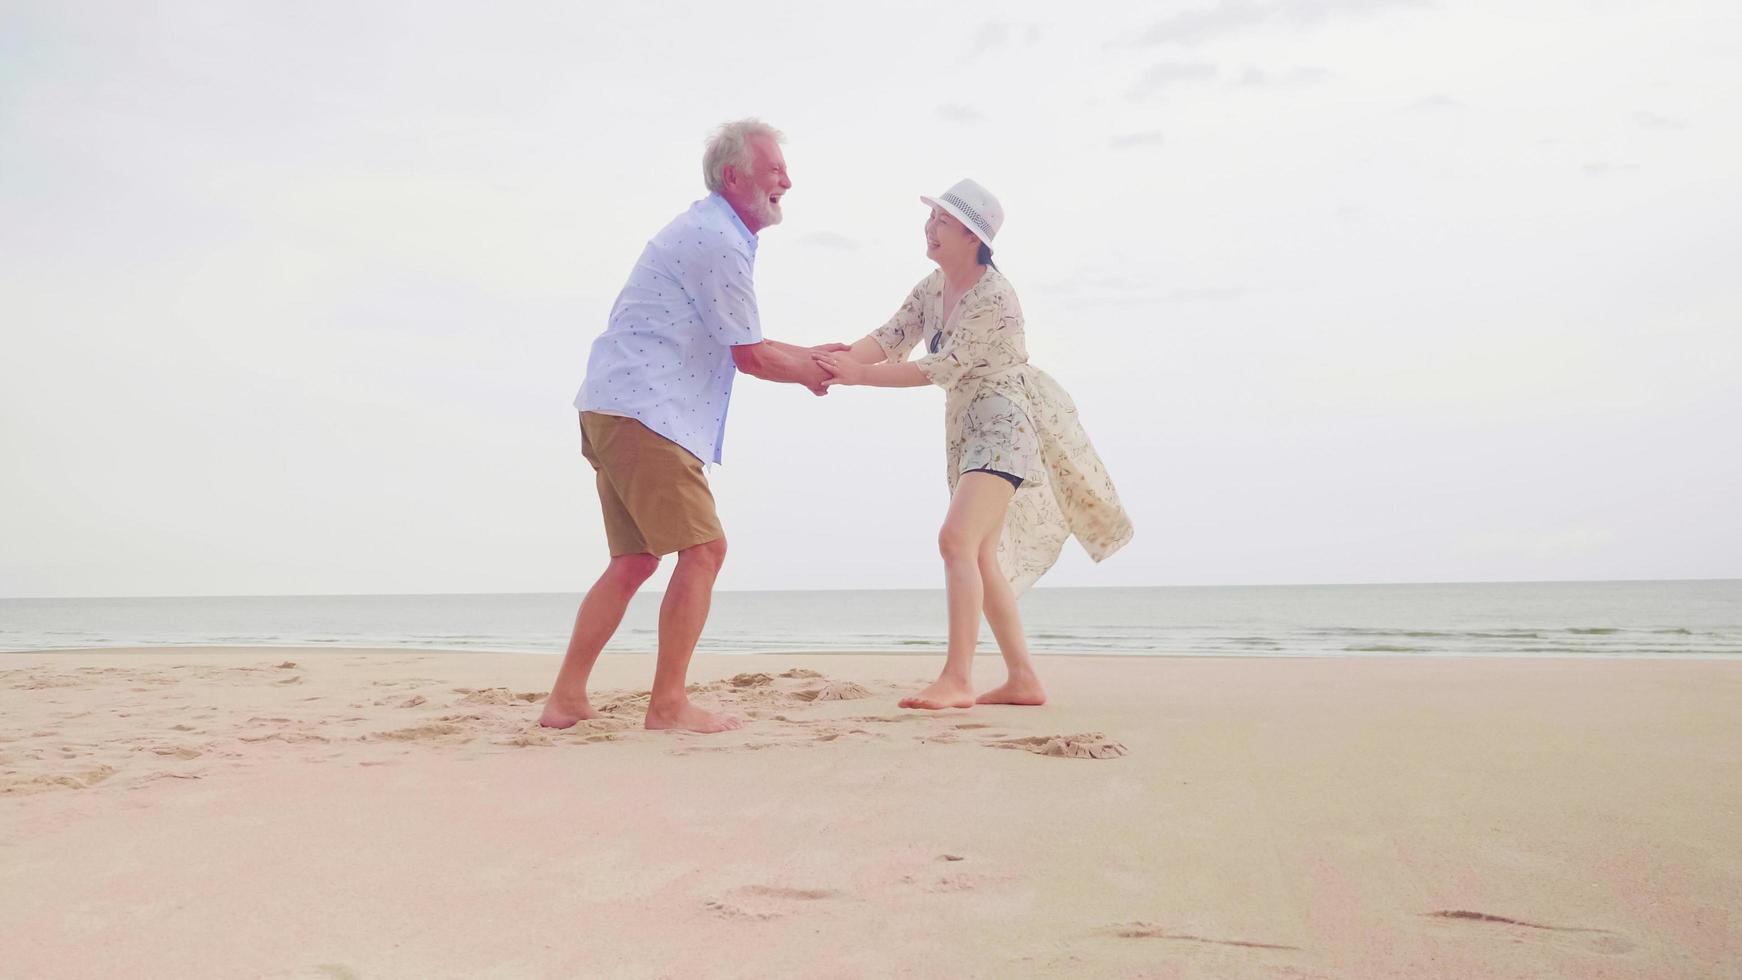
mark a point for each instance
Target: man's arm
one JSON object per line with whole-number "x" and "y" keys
{"x": 772, "y": 360}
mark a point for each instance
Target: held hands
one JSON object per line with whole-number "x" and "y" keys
{"x": 822, "y": 387}
{"x": 838, "y": 370}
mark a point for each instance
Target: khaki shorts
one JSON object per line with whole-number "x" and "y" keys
{"x": 655, "y": 496}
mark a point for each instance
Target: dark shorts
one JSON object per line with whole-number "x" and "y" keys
{"x": 1015, "y": 481}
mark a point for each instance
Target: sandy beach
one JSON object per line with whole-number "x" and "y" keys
{"x": 349, "y": 813}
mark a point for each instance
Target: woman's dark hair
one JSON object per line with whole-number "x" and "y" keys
{"x": 985, "y": 257}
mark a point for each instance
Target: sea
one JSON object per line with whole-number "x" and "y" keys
{"x": 1680, "y": 619}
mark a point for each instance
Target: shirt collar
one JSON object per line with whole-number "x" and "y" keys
{"x": 732, "y": 216}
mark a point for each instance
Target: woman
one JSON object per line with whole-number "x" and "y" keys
{"x": 1023, "y": 476}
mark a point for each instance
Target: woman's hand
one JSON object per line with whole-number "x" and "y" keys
{"x": 831, "y": 348}
{"x": 840, "y": 370}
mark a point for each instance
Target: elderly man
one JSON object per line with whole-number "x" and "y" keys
{"x": 653, "y": 408}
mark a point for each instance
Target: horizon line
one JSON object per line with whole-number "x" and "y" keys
{"x": 1037, "y": 588}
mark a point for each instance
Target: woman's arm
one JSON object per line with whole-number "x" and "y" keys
{"x": 843, "y": 369}
{"x": 868, "y": 351}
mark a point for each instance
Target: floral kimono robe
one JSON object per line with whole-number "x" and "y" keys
{"x": 1002, "y": 414}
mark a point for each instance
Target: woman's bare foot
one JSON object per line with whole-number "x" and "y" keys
{"x": 686, "y": 717}
{"x": 1016, "y": 690}
{"x": 943, "y": 693}
{"x": 564, "y": 712}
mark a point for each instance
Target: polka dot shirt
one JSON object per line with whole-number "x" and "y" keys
{"x": 665, "y": 357}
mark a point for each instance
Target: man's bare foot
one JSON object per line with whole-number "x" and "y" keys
{"x": 942, "y": 693}
{"x": 686, "y": 717}
{"x": 1016, "y": 690}
{"x": 564, "y": 712}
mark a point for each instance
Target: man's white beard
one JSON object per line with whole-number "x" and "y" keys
{"x": 768, "y": 212}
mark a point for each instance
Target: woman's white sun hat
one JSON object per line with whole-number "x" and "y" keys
{"x": 973, "y": 206}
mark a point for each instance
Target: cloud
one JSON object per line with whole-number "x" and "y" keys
{"x": 1603, "y": 168}
{"x": 1297, "y": 77}
{"x": 1094, "y": 291}
{"x": 951, "y": 112}
{"x": 829, "y": 239}
{"x": 1124, "y": 291}
{"x": 1167, "y": 73}
{"x": 1195, "y": 26}
{"x": 1131, "y": 141}
{"x": 1230, "y": 17}
{"x": 991, "y": 35}
{"x": 1434, "y": 103}
{"x": 1662, "y": 124}
{"x": 996, "y": 34}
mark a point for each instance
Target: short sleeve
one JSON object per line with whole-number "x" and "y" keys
{"x": 719, "y": 285}
{"x": 986, "y": 337}
{"x": 902, "y": 332}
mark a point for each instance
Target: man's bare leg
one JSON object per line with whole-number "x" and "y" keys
{"x": 1022, "y": 686}
{"x": 976, "y": 511}
{"x": 600, "y": 613}
{"x": 681, "y": 617}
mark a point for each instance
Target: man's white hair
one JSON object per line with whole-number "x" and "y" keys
{"x": 729, "y": 146}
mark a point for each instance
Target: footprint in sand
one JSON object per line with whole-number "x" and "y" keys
{"x": 1085, "y": 745}
{"x": 789, "y": 894}
{"x": 765, "y": 688}
{"x": 1145, "y": 930}
{"x": 590, "y": 730}
{"x": 156, "y": 776}
{"x": 766, "y": 901}
{"x": 323, "y": 971}
{"x": 837, "y": 691}
{"x": 833, "y": 734}
{"x": 286, "y": 737}
{"x": 529, "y": 740}
{"x": 727, "y": 910}
{"x": 444, "y": 731}
{"x": 83, "y": 778}
{"x": 497, "y": 695}
{"x": 625, "y": 703}
{"x": 1596, "y": 940}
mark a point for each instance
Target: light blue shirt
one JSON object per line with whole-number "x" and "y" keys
{"x": 665, "y": 358}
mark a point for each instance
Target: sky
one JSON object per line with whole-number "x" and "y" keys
{"x": 294, "y": 298}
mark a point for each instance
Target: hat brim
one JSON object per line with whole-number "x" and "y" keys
{"x": 957, "y": 214}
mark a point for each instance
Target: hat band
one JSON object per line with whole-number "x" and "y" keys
{"x": 973, "y": 215}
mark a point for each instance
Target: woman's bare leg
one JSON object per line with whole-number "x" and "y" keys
{"x": 1022, "y": 685}
{"x": 976, "y": 511}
